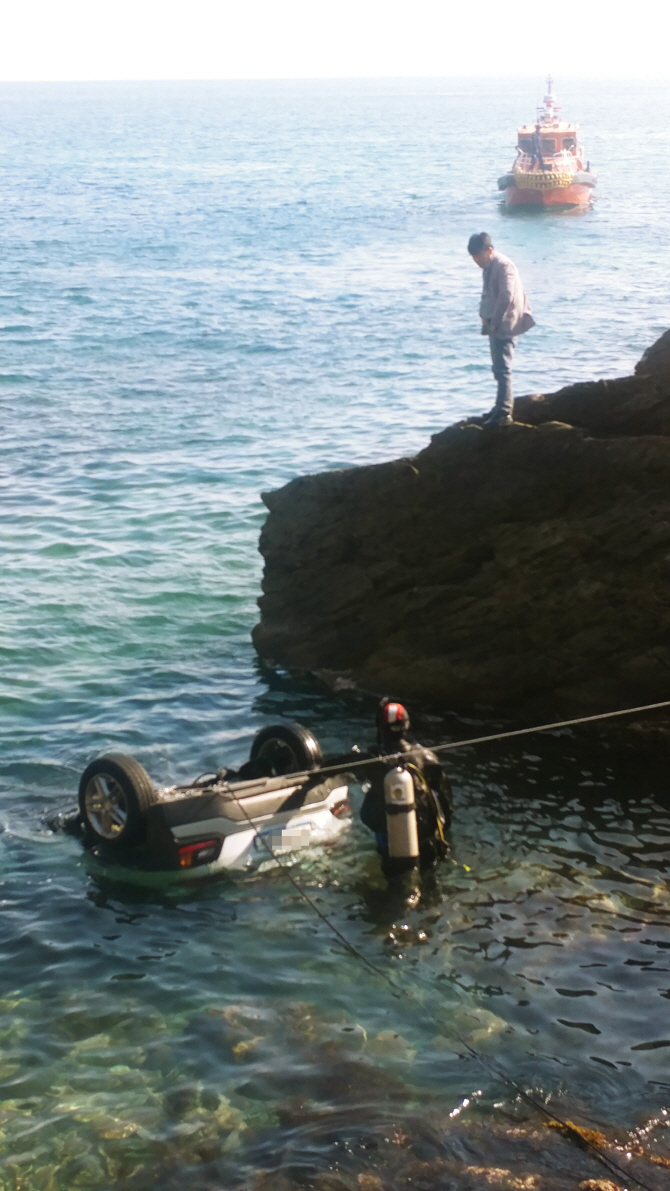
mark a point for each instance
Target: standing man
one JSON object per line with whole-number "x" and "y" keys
{"x": 505, "y": 313}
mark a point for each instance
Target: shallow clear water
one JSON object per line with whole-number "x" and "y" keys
{"x": 206, "y": 290}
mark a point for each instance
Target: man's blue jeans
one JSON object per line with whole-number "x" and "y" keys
{"x": 502, "y": 354}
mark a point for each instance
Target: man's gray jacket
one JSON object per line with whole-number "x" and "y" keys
{"x": 504, "y": 304}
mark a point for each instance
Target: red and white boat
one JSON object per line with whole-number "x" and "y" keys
{"x": 550, "y": 170}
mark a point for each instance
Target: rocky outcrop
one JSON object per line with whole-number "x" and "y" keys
{"x": 526, "y": 566}
{"x": 656, "y": 359}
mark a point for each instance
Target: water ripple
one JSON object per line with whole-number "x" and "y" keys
{"x": 208, "y": 289}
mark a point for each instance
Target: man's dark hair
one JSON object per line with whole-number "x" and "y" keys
{"x": 479, "y": 242}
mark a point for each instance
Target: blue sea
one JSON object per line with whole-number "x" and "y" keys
{"x": 206, "y": 290}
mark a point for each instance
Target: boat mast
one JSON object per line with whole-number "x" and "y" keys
{"x": 549, "y": 112}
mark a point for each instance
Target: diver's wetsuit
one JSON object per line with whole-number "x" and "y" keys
{"x": 432, "y": 793}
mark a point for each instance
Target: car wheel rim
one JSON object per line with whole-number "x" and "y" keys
{"x": 106, "y": 806}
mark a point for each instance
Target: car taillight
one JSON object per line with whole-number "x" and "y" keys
{"x": 203, "y": 852}
{"x": 341, "y": 808}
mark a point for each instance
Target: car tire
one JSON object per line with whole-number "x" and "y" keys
{"x": 114, "y": 794}
{"x": 286, "y": 748}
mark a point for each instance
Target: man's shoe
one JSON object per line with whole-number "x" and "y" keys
{"x": 499, "y": 419}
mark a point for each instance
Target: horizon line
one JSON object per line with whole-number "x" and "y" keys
{"x": 362, "y": 78}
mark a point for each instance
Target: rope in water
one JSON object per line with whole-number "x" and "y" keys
{"x": 402, "y": 993}
{"x": 493, "y": 1068}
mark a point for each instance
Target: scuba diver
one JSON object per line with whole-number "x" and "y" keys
{"x": 429, "y": 794}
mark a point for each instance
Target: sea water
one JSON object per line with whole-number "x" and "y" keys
{"x": 207, "y": 289}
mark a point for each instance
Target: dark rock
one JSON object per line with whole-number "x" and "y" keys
{"x": 656, "y": 359}
{"x": 521, "y": 567}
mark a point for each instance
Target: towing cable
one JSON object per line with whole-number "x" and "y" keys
{"x": 584, "y": 1137}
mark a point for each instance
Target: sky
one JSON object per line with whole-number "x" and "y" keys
{"x": 219, "y": 39}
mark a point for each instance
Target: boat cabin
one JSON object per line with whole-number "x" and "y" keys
{"x": 553, "y": 139}
{"x": 549, "y": 135}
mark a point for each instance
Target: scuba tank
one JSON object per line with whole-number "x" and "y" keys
{"x": 401, "y": 825}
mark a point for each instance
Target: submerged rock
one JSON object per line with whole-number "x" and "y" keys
{"x": 522, "y": 567}
{"x": 390, "y": 1045}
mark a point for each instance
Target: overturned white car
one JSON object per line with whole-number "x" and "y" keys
{"x": 286, "y": 797}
